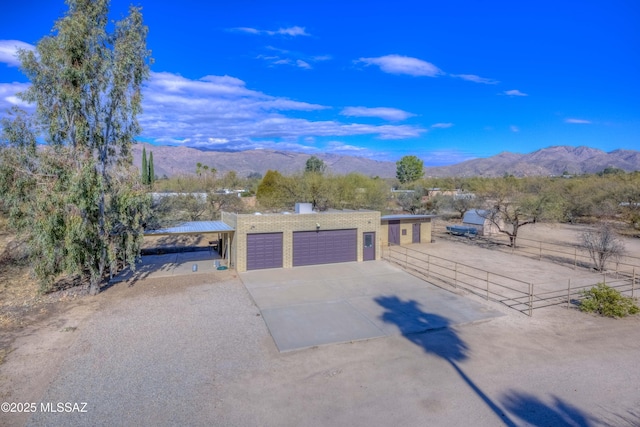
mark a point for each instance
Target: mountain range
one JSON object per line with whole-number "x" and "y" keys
{"x": 171, "y": 161}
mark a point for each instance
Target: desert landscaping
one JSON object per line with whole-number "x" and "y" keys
{"x": 196, "y": 351}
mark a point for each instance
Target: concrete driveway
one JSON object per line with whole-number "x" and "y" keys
{"x": 314, "y": 305}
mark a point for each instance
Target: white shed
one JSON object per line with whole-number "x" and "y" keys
{"x": 479, "y": 219}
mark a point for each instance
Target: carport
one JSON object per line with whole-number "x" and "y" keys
{"x": 224, "y": 231}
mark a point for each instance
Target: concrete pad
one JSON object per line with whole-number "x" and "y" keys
{"x": 308, "y": 325}
{"x": 291, "y": 294}
{"x": 316, "y": 305}
{"x": 167, "y": 265}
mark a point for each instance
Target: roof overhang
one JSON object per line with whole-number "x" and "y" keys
{"x": 192, "y": 227}
{"x": 405, "y": 216}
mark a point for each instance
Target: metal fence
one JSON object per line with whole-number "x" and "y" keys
{"x": 511, "y": 292}
{"x": 562, "y": 253}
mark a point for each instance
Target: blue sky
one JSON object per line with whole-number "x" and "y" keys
{"x": 446, "y": 81}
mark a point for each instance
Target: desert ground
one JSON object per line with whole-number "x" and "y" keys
{"x": 194, "y": 350}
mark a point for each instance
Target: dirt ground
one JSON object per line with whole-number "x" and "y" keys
{"x": 561, "y": 367}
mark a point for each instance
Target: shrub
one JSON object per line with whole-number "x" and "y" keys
{"x": 606, "y": 301}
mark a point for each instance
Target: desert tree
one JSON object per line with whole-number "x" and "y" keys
{"x": 509, "y": 208}
{"x": 314, "y": 164}
{"x": 461, "y": 203}
{"x": 276, "y": 191}
{"x": 602, "y": 244}
{"x": 412, "y": 201}
{"x": 80, "y": 205}
{"x": 409, "y": 169}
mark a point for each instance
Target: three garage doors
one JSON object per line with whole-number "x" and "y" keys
{"x": 264, "y": 250}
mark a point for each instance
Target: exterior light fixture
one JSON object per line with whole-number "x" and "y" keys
{"x": 317, "y": 226}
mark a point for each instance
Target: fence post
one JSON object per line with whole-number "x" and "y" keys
{"x": 530, "y": 299}
{"x": 540, "y": 256}
{"x": 428, "y": 263}
{"x": 455, "y": 275}
{"x": 487, "y": 286}
{"x": 568, "y": 293}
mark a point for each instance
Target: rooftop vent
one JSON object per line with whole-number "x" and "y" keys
{"x": 304, "y": 208}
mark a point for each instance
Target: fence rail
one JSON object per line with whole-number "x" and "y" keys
{"x": 511, "y": 292}
{"x": 570, "y": 254}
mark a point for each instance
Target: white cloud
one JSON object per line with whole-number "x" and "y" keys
{"x": 578, "y": 121}
{"x": 475, "y": 79}
{"x": 514, "y": 128}
{"x": 341, "y": 147}
{"x": 514, "y": 92}
{"x": 441, "y": 125}
{"x": 294, "y": 59}
{"x": 397, "y": 64}
{"x": 9, "y": 51}
{"x": 221, "y": 111}
{"x": 303, "y": 64}
{"x": 392, "y": 114}
{"x": 289, "y": 31}
{"x": 9, "y": 96}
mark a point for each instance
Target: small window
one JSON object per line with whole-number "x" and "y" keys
{"x": 404, "y": 232}
{"x": 368, "y": 241}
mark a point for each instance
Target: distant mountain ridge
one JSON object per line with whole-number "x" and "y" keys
{"x": 556, "y": 160}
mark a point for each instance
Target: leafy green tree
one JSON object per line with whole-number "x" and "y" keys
{"x": 409, "y": 169}
{"x": 315, "y": 164}
{"x": 78, "y": 205}
{"x": 274, "y": 191}
{"x": 314, "y": 188}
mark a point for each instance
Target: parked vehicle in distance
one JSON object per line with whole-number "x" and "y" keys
{"x": 461, "y": 230}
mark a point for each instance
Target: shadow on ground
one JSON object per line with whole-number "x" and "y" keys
{"x": 442, "y": 341}
{"x": 533, "y": 411}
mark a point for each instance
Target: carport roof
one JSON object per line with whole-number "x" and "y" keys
{"x": 193, "y": 227}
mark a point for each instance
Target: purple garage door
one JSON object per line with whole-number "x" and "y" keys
{"x": 324, "y": 247}
{"x": 264, "y": 250}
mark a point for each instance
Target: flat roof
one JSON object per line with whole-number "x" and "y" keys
{"x": 406, "y": 216}
{"x": 193, "y": 227}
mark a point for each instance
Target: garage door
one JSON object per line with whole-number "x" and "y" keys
{"x": 324, "y": 247}
{"x": 264, "y": 250}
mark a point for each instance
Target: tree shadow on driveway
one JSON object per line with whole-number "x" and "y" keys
{"x": 418, "y": 326}
{"x": 535, "y": 412}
